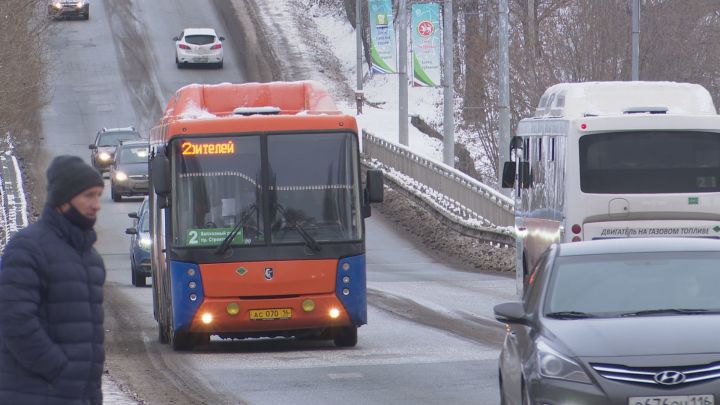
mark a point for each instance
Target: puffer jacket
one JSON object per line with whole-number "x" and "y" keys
{"x": 51, "y": 315}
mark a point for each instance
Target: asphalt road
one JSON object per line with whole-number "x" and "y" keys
{"x": 430, "y": 337}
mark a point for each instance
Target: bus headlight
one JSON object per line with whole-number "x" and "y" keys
{"x": 206, "y": 318}
{"x": 57, "y": 5}
{"x": 104, "y": 156}
{"x": 145, "y": 243}
{"x": 80, "y": 4}
{"x": 334, "y": 313}
{"x": 120, "y": 176}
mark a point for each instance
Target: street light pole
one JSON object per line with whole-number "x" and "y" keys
{"x": 449, "y": 76}
{"x": 402, "y": 75}
{"x": 635, "y": 40}
{"x": 504, "y": 86}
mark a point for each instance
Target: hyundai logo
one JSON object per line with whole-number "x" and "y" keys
{"x": 669, "y": 377}
{"x": 269, "y": 276}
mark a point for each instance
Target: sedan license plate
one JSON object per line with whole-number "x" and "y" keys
{"x": 673, "y": 400}
{"x": 200, "y": 60}
{"x": 270, "y": 314}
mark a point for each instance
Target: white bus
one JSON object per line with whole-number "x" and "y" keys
{"x": 615, "y": 160}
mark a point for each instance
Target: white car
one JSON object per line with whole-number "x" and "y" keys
{"x": 198, "y": 46}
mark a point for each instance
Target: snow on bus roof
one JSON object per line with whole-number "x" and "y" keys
{"x": 572, "y": 100}
{"x": 198, "y": 101}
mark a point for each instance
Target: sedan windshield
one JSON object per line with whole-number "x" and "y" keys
{"x": 114, "y": 138}
{"x": 137, "y": 154}
{"x": 635, "y": 284}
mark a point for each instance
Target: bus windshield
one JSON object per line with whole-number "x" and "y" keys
{"x": 270, "y": 183}
{"x": 312, "y": 186}
{"x": 650, "y": 162}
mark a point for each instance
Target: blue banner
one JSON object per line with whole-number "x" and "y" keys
{"x": 383, "y": 49}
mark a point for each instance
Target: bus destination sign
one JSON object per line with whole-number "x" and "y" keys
{"x": 189, "y": 148}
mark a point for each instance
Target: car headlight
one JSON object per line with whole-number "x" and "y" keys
{"x": 120, "y": 176}
{"x": 145, "y": 243}
{"x": 552, "y": 364}
{"x": 57, "y": 5}
{"x": 104, "y": 156}
{"x": 80, "y": 4}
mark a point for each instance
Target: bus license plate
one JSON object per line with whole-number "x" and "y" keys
{"x": 270, "y": 314}
{"x": 673, "y": 400}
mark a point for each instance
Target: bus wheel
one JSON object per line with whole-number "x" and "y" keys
{"x": 162, "y": 334}
{"x": 345, "y": 337}
{"x": 201, "y": 339}
{"x": 182, "y": 341}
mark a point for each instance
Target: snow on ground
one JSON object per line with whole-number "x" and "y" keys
{"x": 337, "y": 36}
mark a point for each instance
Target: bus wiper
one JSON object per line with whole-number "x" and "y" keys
{"x": 681, "y": 311}
{"x": 229, "y": 238}
{"x": 309, "y": 240}
{"x": 569, "y": 315}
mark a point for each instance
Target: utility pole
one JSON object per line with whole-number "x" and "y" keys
{"x": 402, "y": 75}
{"x": 504, "y": 87}
{"x": 449, "y": 87}
{"x": 635, "y": 40}
{"x": 359, "y": 94}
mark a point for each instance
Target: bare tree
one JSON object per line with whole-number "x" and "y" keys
{"x": 22, "y": 62}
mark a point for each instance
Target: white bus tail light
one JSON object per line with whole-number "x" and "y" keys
{"x": 576, "y": 229}
{"x": 583, "y": 126}
{"x": 576, "y": 239}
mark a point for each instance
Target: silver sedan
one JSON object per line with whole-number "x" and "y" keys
{"x": 625, "y": 321}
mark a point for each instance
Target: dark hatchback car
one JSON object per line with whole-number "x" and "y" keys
{"x": 140, "y": 244}
{"x": 129, "y": 171}
{"x": 69, "y": 8}
{"x": 622, "y": 321}
{"x": 106, "y": 141}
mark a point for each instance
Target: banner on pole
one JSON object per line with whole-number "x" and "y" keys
{"x": 383, "y": 50}
{"x": 426, "y": 44}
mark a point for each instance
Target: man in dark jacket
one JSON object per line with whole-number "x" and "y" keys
{"x": 51, "y": 297}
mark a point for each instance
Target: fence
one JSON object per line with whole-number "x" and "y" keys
{"x": 457, "y": 196}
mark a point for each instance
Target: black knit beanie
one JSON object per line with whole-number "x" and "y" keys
{"x": 68, "y": 176}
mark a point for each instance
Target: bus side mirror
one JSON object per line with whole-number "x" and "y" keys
{"x": 133, "y": 215}
{"x": 374, "y": 184}
{"x": 160, "y": 173}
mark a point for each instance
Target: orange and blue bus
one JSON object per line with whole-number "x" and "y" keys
{"x": 257, "y": 213}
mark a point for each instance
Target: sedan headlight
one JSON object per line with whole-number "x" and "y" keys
{"x": 552, "y": 364}
{"x": 145, "y": 243}
{"x": 104, "y": 156}
{"x": 57, "y": 5}
{"x": 80, "y": 4}
{"x": 120, "y": 176}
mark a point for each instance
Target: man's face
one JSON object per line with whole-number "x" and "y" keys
{"x": 87, "y": 202}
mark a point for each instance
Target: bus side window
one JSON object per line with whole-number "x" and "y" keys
{"x": 551, "y": 151}
{"x": 526, "y": 149}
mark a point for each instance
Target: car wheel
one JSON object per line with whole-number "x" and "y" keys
{"x": 345, "y": 336}
{"x": 138, "y": 280}
{"x": 219, "y": 65}
{"x": 114, "y": 195}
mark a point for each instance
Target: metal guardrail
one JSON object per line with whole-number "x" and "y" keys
{"x": 454, "y": 194}
{"x": 13, "y": 206}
